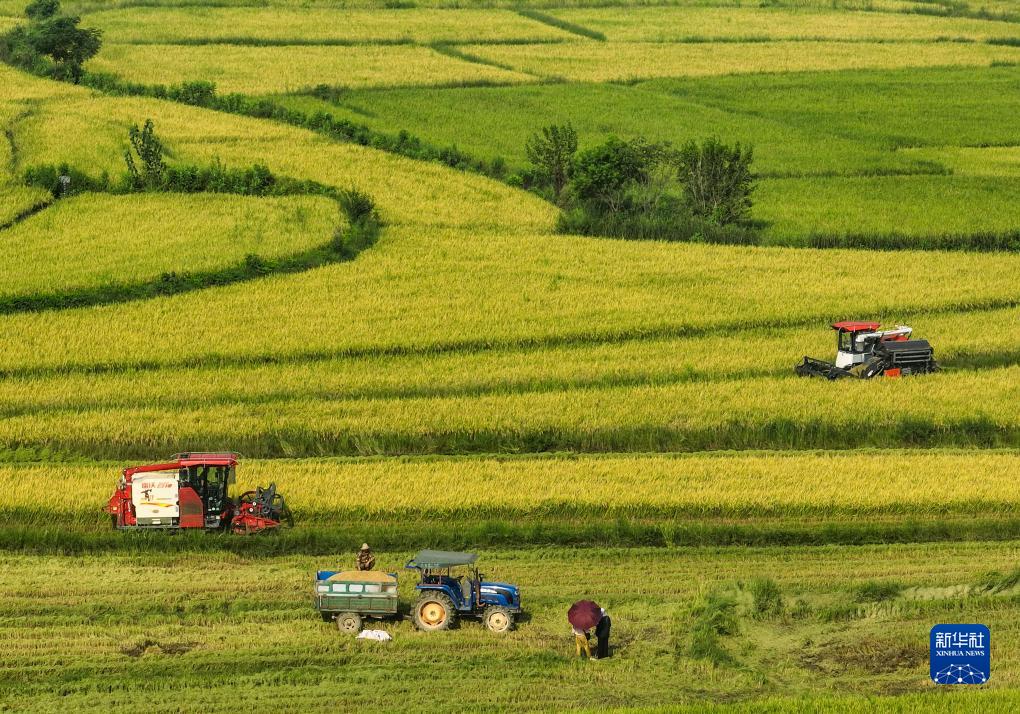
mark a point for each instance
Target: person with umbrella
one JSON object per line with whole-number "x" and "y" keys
{"x": 582, "y": 616}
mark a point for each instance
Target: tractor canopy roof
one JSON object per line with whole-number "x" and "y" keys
{"x": 855, "y": 325}
{"x": 430, "y": 559}
{"x": 224, "y": 458}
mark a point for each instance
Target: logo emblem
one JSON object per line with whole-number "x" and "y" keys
{"x": 960, "y": 654}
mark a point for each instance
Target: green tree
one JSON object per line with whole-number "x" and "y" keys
{"x": 717, "y": 180}
{"x": 42, "y": 9}
{"x": 149, "y": 149}
{"x": 551, "y": 150}
{"x": 602, "y": 174}
{"x": 59, "y": 38}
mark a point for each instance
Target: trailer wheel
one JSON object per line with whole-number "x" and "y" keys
{"x": 498, "y": 619}
{"x": 434, "y": 612}
{"x": 349, "y": 622}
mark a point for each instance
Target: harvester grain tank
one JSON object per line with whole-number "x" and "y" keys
{"x": 194, "y": 491}
{"x": 864, "y": 351}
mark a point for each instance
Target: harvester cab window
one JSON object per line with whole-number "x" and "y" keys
{"x": 845, "y": 342}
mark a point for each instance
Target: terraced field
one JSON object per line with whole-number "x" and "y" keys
{"x": 597, "y": 417}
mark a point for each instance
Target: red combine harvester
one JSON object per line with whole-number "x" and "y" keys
{"x": 864, "y": 351}
{"x": 194, "y": 491}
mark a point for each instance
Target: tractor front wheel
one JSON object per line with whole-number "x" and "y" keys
{"x": 498, "y": 619}
{"x": 349, "y": 622}
{"x": 434, "y": 612}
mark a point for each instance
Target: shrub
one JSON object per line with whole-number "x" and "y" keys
{"x": 63, "y": 180}
{"x": 199, "y": 93}
{"x": 717, "y": 180}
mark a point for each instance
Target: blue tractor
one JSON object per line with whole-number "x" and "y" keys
{"x": 443, "y": 596}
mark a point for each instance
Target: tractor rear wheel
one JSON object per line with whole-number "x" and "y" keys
{"x": 498, "y": 619}
{"x": 349, "y": 622}
{"x": 434, "y": 612}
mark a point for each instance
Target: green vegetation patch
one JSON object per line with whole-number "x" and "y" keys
{"x": 928, "y": 212}
{"x": 943, "y": 106}
{"x": 496, "y": 121}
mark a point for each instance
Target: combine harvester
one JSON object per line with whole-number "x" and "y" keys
{"x": 194, "y": 491}
{"x": 864, "y": 351}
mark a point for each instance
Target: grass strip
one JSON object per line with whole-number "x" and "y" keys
{"x": 472, "y": 534}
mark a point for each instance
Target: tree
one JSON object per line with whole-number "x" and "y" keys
{"x": 42, "y": 9}
{"x": 67, "y": 44}
{"x": 601, "y": 175}
{"x": 551, "y": 150}
{"x": 149, "y": 150}
{"x": 717, "y": 180}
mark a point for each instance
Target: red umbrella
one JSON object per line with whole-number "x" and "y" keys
{"x": 584, "y": 614}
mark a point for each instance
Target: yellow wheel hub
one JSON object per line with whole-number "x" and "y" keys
{"x": 433, "y": 613}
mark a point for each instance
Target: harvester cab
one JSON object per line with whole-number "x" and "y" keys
{"x": 444, "y": 594}
{"x": 864, "y": 351}
{"x": 193, "y": 490}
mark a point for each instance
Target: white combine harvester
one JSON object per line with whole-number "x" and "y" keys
{"x": 864, "y": 351}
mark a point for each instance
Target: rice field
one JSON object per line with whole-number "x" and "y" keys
{"x": 805, "y": 123}
{"x": 973, "y": 160}
{"x": 965, "y": 341}
{"x": 893, "y": 205}
{"x": 752, "y": 413}
{"x": 407, "y": 192}
{"x": 596, "y": 417}
{"x": 706, "y": 24}
{"x": 91, "y": 241}
{"x": 634, "y": 61}
{"x": 588, "y": 289}
{"x": 966, "y": 106}
{"x": 835, "y": 485}
{"x": 17, "y": 200}
{"x": 181, "y": 629}
{"x": 290, "y": 68}
{"x": 312, "y": 25}
{"x": 464, "y": 117}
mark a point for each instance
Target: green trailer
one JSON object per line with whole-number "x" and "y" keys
{"x": 349, "y": 597}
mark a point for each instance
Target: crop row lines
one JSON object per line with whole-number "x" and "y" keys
{"x": 966, "y": 360}
{"x": 481, "y": 344}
